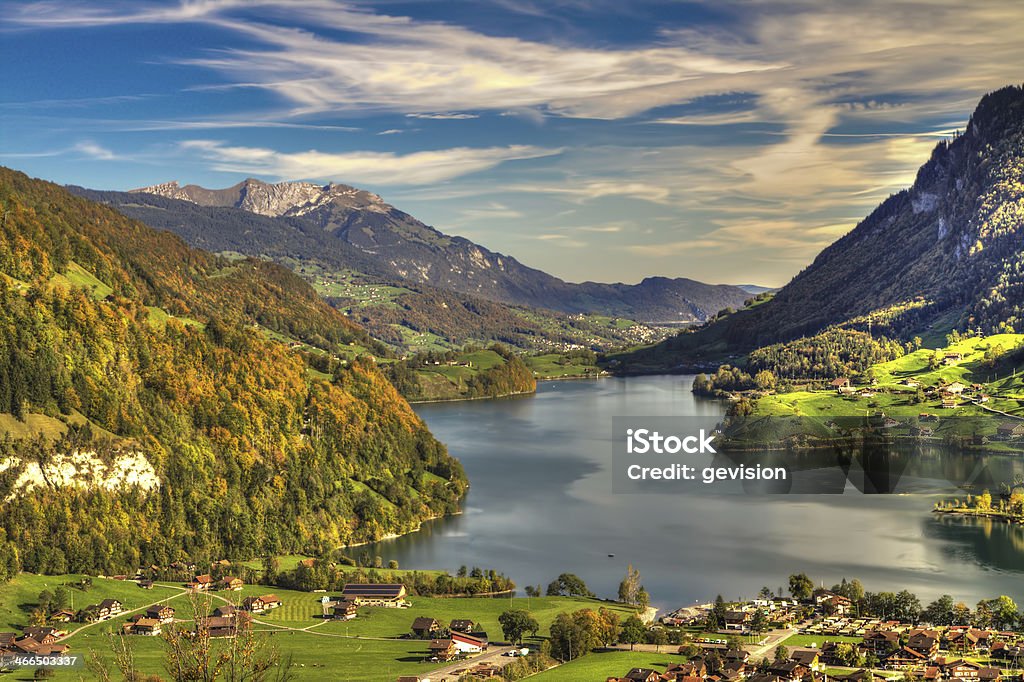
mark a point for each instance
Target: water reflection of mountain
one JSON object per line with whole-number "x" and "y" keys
{"x": 988, "y": 542}
{"x": 883, "y": 468}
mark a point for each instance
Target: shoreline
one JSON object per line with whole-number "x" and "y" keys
{"x": 427, "y": 401}
{"x": 395, "y": 536}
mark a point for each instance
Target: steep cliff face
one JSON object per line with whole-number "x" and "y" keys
{"x": 945, "y": 252}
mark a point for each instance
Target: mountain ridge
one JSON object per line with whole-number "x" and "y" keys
{"x": 393, "y": 243}
{"x": 945, "y": 252}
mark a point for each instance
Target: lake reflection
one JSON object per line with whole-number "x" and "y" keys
{"x": 541, "y": 503}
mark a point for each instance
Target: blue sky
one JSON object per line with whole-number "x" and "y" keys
{"x": 720, "y": 140}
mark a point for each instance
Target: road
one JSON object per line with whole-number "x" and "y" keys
{"x": 453, "y": 671}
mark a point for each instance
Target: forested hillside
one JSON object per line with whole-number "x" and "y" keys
{"x": 117, "y": 340}
{"x": 944, "y": 254}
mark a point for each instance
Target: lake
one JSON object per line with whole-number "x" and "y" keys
{"x": 541, "y": 503}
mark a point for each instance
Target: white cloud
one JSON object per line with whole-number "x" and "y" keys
{"x": 383, "y": 168}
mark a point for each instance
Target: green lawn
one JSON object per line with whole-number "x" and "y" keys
{"x": 19, "y": 597}
{"x": 78, "y": 276}
{"x": 818, "y": 640}
{"x": 555, "y": 365}
{"x": 599, "y": 666}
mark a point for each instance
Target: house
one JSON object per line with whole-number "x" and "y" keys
{"x": 271, "y": 601}
{"x": 254, "y": 604}
{"x": 106, "y": 609}
{"x": 461, "y": 625}
{"x": 43, "y": 635}
{"x": 808, "y": 658}
{"x": 959, "y": 669}
{"x": 911, "y": 383}
{"x": 905, "y": 658}
{"x": 423, "y": 627}
{"x": 842, "y": 385}
{"x": 788, "y": 670}
{"x": 736, "y": 620}
{"x": 161, "y": 612}
{"x": 442, "y": 650}
{"x": 7, "y": 639}
{"x": 860, "y": 676}
{"x": 230, "y": 582}
{"x": 955, "y": 388}
{"x": 146, "y": 584}
{"x": 881, "y": 641}
{"x": 952, "y": 358}
{"x": 201, "y": 582}
{"x": 1010, "y": 429}
{"x": 375, "y": 594}
{"x": 643, "y": 675}
{"x": 62, "y": 616}
{"x": 225, "y": 611}
{"x": 924, "y": 642}
{"x": 468, "y": 644}
{"x": 344, "y": 610}
{"x": 222, "y": 626}
{"x": 144, "y": 626}
{"x": 949, "y": 402}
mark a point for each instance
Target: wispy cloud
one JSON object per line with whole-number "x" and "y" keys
{"x": 383, "y": 168}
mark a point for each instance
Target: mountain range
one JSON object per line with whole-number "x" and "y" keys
{"x": 944, "y": 254}
{"x": 344, "y": 227}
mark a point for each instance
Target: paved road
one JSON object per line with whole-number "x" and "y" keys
{"x": 453, "y": 671}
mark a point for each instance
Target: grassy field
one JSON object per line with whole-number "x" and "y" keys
{"x": 818, "y": 640}
{"x": 599, "y": 666}
{"x": 19, "y": 597}
{"x": 367, "y": 648}
{"x": 77, "y": 276}
{"x": 1003, "y": 384}
{"x": 555, "y": 365}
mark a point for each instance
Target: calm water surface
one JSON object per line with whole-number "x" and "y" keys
{"x": 541, "y": 503}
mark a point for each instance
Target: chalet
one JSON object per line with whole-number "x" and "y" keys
{"x": 1010, "y": 429}
{"x": 860, "y": 676}
{"x": 736, "y": 620}
{"x": 736, "y": 654}
{"x": 343, "y": 610}
{"x": 881, "y": 641}
{"x": 220, "y": 626}
{"x": 788, "y": 670}
{"x": 43, "y": 635}
{"x": 146, "y": 584}
{"x": 921, "y": 431}
{"x": 62, "y": 616}
{"x": 950, "y": 402}
{"x": 271, "y": 601}
{"x": 423, "y": 627}
{"x": 808, "y": 658}
{"x": 442, "y": 650}
{"x": 7, "y": 639}
{"x": 905, "y": 658}
{"x": 144, "y": 626}
{"x": 924, "y": 642}
{"x": 225, "y": 611}
{"x": 990, "y": 674}
{"x": 254, "y": 604}
{"x": 955, "y": 388}
{"x": 106, "y": 609}
{"x": 911, "y": 383}
{"x": 201, "y": 582}
{"x": 643, "y": 675}
{"x": 461, "y": 625}
{"x": 842, "y": 385}
{"x": 161, "y": 612}
{"x": 959, "y": 669}
{"x": 375, "y": 594}
{"x": 967, "y": 639}
{"x": 468, "y": 644}
{"x": 696, "y": 668}
{"x": 952, "y": 358}
{"x": 230, "y": 582}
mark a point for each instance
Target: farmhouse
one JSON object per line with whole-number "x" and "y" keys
{"x": 229, "y": 582}
{"x": 161, "y": 612}
{"x": 424, "y": 627}
{"x": 254, "y": 604}
{"x": 461, "y": 625}
{"x": 344, "y": 610}
{"x": 143, "y": 626}
{"x": 375, "y": 594}
{"x": 201, "y": 582}
{"x": 468, "y": 644}
{"x": 442, "y": 649}
{"x": 842, "y": 385}
{"x": 1011, "y": 429}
